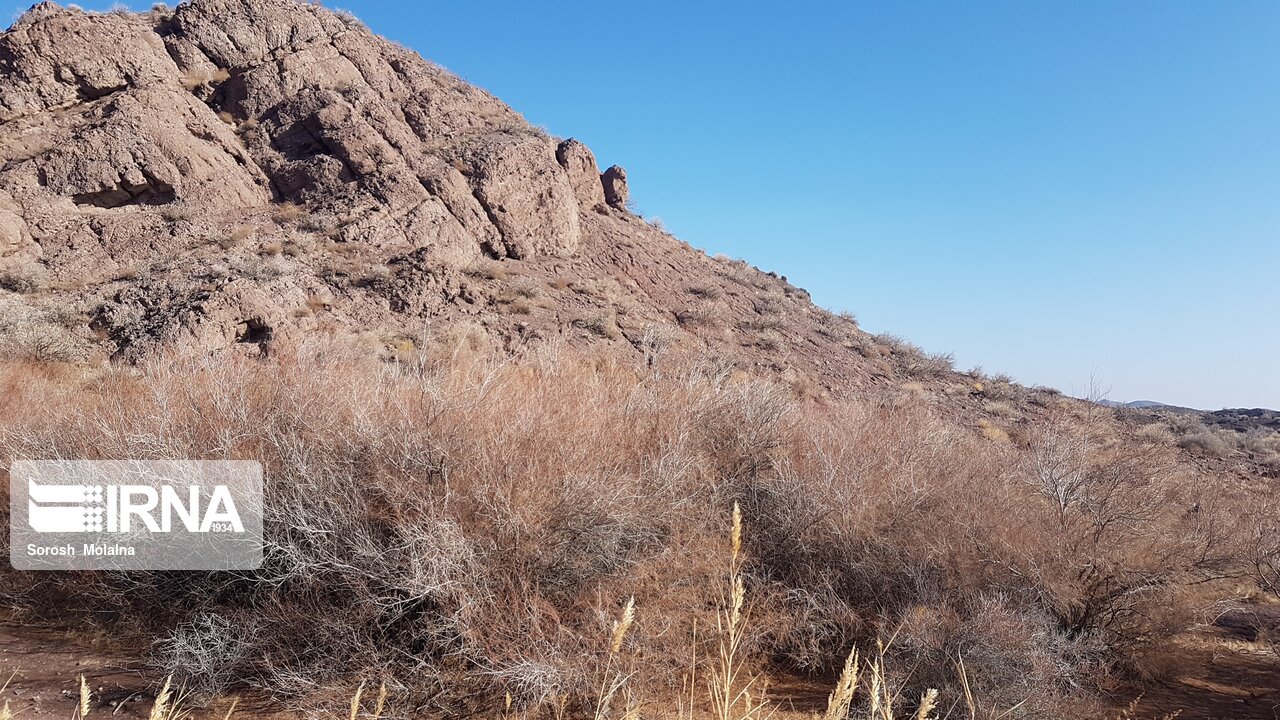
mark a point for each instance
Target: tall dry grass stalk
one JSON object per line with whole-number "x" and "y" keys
{"x": 355, "y": 702}
{"x": 686, "y": 703}
{"x": 928, "y": 703}
{"x": 83, "y": 707}
{"x": 971, "y": 703}
{"x": 881, "y": 699}
{"x": 614, "y": 679}
{"x": 622, "y": 625}
{"x": 841, "y": 698}
{"x": 736, "y": 693}
{"x": 169, "y": 704}
{"x": 5, "y": 712}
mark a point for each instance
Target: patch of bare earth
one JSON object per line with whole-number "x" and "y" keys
{"x": 1227, "y": 671}
{"x": 43, "y": 668}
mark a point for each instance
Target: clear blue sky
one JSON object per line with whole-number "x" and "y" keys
{"x": 1044, "y": 189}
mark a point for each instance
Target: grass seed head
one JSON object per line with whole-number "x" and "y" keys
{"x": 84, "y": 697}
{"x": 928, "y": 702}
{"x": 160, "y": 709}
{"x": 355, "y": 701}
{"x": 622, "y": 625}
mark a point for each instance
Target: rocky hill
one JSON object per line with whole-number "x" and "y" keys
{"x": 231, "y": 178}
{"x": 235, "y": 174}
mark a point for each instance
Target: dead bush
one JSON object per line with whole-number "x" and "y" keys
{"x": 19, "y": 281}
{"x": 1206, "y": 442}
{"x": 38, "y": 336}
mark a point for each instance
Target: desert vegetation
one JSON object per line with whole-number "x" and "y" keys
{"x": 471, "y": 532}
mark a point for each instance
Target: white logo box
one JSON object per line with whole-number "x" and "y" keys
{"x": 135, "y": 515}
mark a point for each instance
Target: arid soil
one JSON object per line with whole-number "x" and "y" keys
{"x": 1226, "y": 672}
{"x": 43, "y": 667}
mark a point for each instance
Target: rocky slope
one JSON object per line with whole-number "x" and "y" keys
{"x": 235, "y": 174}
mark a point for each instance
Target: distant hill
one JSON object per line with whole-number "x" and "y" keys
{"x": 1146, "y": 405}
{"x": 1244, "y": 419}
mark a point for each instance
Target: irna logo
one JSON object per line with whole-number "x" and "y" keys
{"x": 135, "y": 514}
{"x": 129, "y": 508}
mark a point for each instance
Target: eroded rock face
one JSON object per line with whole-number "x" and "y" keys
{"x": 199, "y": 176}
{"x": 229, "y": 106}
{"x": 153, "y": 146}
{"x": 584, "y": 174}
{"x": 15, "y": 240}
{"x": 236, "y": 176}
{"x": 615, "y": 187}
{"x": 55, "y": 57}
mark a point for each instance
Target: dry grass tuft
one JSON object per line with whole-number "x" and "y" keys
{"x": 841, "y": 698}
{"x": 83, "y": 707}
{"x": 736, "y": 692}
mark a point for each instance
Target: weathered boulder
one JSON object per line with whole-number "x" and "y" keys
{"x": 56, "y": 57}
{"x": 584, "y": 174}
{"x": 526, "y": 193}
{"x": 615, "y": 187}
{"x": 154, "y": 145}
{"x": 15, "y": 239}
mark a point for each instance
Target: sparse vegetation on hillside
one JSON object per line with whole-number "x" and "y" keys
{"x": 464, "y": 528}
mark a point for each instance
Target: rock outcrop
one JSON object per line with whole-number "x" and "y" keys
{"x": 584, "y": 174}
{"x": 226, "y": 106}
{"x": 234, "y": 175}
{"x": 615, "y": 187}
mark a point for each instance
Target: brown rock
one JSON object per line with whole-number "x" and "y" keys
{"x": 584, "y": 174}
{"x": 224, "y": 106}
{"x": 237, "y": 175}
{"x": 15, "y": 240}
{"x": 615, "y": 187}
{"x": 57, "y": 57}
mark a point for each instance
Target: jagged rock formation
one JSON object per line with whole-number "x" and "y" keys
{"x": 236, "y": 104}
{"x": 235, "y": 174}
{"x": 616, "y": 192}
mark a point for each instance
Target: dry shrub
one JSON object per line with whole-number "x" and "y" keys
{"x": 40, "y": 335}
{"x": 488, "y": 269}
{"x": 288, "y": 212}
{"x": 465, "y": 526}
{"x": 707, "y": 292}
{"x": 1156, "y": 432}
{"x": 24, "y": 280}
{"x": 1000, "y": 409}
{"x": 1206, "y": 442}
{"x": 993, "y": 432}
{"x": 1262, "y": 445}
{"x": 196, "y": 80}
{"x": 603, "y": 324}
{"x": 913, "y": 360}
{"x": 178, "y": 212}
{"x": 707, "y": 313}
